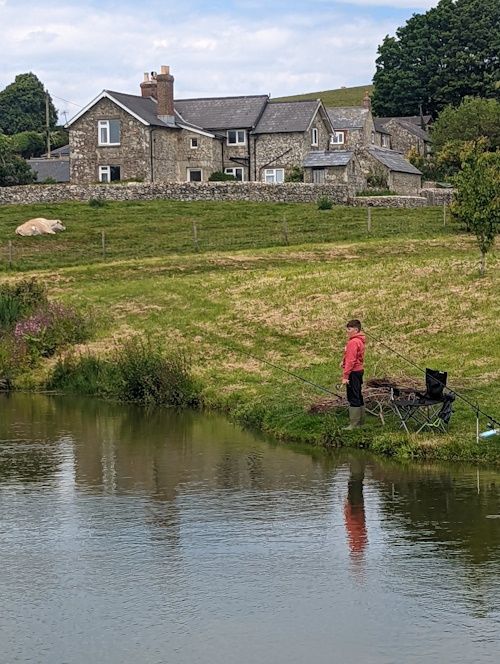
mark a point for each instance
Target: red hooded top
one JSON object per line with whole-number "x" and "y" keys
{"x": 353, "y": 354}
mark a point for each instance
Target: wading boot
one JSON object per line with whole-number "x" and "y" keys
{"x": 355, "y": 415}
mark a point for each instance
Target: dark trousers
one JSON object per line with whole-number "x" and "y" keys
{"x": 353, "y": 389}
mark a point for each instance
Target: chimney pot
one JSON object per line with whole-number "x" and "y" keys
{"x": 165, "y": 69}
{"x": 367, "y": 102}
{"x": 146, "y": 77}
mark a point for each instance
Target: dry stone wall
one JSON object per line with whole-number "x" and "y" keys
{"x": 289, "y": 192}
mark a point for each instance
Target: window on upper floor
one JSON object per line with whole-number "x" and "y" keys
{"x": 314, "y": 137}
{"x": 274, "y": 175}
{"x": 237, "y": 172}
{"x": 109, "y": 132}
{"x": 194, "y": 143}
{"x": 373, "y": 137}
{"x": 109, "y": 173}
{"x": 385, "y": 141}
{"x": 236, "y": 137}
{"x": 337, "y": 138}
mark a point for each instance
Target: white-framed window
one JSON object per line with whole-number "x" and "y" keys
{"x": 109, "y": 132}
{"x": 236, "y": 137}
{"x": 373, "y": 137}
{"x": 314, "y": 137}
{"x": 194, "y": 143}
{"x": 273, "y": 175}
{"x": 384, "y": 141}
{"x": 237, "y": 172}
{"x": 337, "y": 138}
{"x": 109, "y": 173}
{"x": 194, "y": 175}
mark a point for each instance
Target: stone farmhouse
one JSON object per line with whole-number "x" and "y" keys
{"x": 157, "y": 138}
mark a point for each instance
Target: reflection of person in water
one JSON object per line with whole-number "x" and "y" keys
{"x": 354, "y": 512}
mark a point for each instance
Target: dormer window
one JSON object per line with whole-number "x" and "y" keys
{"x": 109, "y": 132}
{"x": 384, "y": 141}
{"x": 194, "y": 143}
{"x": 337, "y": 138}
{"x": 314, "y": 137}
{"x": 236, "y": 137}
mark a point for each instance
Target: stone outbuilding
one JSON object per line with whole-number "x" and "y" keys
{"x": 335, "y": 167}
{"x": 405, "y": 134}
{"x": 398, "y": 174}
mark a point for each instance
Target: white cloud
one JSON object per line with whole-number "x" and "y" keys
{"x": 77, "y": 51}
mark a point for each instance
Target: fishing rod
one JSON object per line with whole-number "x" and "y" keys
{"x": 290, "y": 373}
{"x": 491, "y": 420}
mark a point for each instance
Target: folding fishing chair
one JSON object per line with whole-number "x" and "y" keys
{"x": 431, "y": 410}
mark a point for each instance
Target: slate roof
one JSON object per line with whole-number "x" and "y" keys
{"x": 58, "y": 152}
{"x": 413, "y": 119}
{"x": 352, "y": 117}
{"x": 380, "y": 128}
{"x": 321, "y": 158}
{"x": 393, "y": 160}
{"x": 287, "y": 116}
{"x": 222, "y": 113}
{"x": 415, "y": 130}
{"x": 54, "y": 168}
{"x": 144, "y": 107}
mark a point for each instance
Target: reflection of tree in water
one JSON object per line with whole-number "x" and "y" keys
{"x": 354, "y": 510}
{"x": 444, "y": 505}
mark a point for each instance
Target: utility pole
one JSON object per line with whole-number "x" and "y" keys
{"x": 47, "y": 122}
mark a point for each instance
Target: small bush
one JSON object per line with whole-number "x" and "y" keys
{"x": 295, "y": 174}
{"x": 325, "y": 203}
{"x": 97, "y": 203}
{"x": 85, "y": 375}
{"x": 377, "y": 179}
{"x": 48, "y": 180}
{"x": 20, "y": 300}
{"x": 219, "y": 176}
{"x": 14, "y": 357}
{"x": 151, "y": 378}
{"x": 376, "y": 192}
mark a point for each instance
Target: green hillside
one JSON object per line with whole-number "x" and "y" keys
{"x": 335, "y": 98}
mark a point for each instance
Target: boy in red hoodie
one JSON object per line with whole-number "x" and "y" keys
{"x": 352, "y": 378}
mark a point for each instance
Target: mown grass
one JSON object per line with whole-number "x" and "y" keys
{"x": 138, "y": 229}
{"x": 413, "y": 283}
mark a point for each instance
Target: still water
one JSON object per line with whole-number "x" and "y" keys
{"x": 141, "y": 538}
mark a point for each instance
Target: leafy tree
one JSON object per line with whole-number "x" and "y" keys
{"x": 28, "y": 144}
{"x": 477, "y": 201}
{"x": 438, "y": 58}
{"x": 22, "y": 106}
{"x": 13, "y": 169}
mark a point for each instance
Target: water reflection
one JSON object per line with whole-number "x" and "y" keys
{"x": 132, "y": 536}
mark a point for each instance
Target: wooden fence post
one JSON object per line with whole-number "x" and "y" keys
{"x": 369, "y": 223}
{"x": 10, "y": 253}
{"x": 103, "y": 242}
{"x": 195, "y": 235}
{"x": 444, "y": 213}
{"x": 285, "y": 232}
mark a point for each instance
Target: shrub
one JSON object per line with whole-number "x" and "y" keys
{"x": 97, "y": 203}
{"x": 219, "y": 176}
{"x": 377, "y": 179}
{"x": 48, "y": 180}
{"x": 14, "y": 357}
{"x": 151, "y": 378}
{"x": 52, "y": 327}
{"x": 295, "y": 174}
{"x": 85, "y": 375}
{"x": 20, "y": 300}
{"x": 325, "y": 203}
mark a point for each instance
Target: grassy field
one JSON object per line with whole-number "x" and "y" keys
{"x": 335, "y": 98}
{"x": 413, "y": 282}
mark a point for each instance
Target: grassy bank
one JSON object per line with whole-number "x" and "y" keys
{"x": 413, "y": 282}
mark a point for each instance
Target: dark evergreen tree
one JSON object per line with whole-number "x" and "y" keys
{"x": 22, "y": 106}
{"x": 438, "y": 58}
{"x": 13, "y": 169}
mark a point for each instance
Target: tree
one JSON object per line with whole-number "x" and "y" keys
{"x": 438, "y": 58}
{"x": 28, "y": 144}
{"x": 13, "y": 169}
{"x": 473, "y": 119}
{"x": 477, "y": 201}
{"x": 22, "y": 106}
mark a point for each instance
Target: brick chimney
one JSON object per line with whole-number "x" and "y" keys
{"x": 148, "y": 86}
{"x": 165, "y": 95}
{"x": 367, "y": 102}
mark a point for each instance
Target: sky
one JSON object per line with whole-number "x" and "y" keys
{"x": 213, "y": 48}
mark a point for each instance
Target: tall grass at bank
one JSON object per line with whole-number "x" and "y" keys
{"x": 138, "y": 372}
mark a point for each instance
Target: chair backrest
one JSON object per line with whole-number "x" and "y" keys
{"x": 435, "y": 382}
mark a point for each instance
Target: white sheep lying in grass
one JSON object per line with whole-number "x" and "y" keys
{"x": 40, "y": 226}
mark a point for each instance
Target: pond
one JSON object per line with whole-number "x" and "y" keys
{"x": 130, "y": 536}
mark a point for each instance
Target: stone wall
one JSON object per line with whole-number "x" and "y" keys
{"x": 390, "y": 201}
{"x": 289, "y": 192}
{"x": 438, "y": 196}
